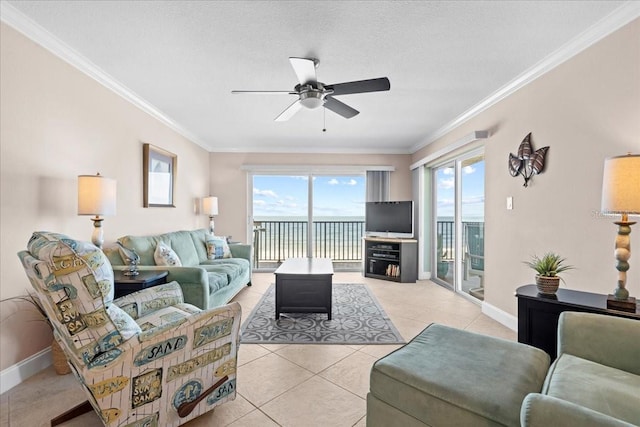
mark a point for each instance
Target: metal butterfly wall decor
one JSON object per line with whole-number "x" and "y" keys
{"x": 528, "y": 162}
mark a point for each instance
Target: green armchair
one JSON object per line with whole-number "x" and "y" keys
{"x": 595, "y": 381}
{"x": 451, "y": 377}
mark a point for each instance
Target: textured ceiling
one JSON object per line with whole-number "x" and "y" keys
{"x": 442, "y": 58}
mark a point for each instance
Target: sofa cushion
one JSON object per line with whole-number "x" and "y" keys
{"x": 447, "y": 376}
{"x": 180, "y": 241}
{"x": 164, "y": 255}
{"x": 601, "y": 388}
{"x": 232, "y": 267}
{"x": 217, "y": 280}
{"x": 199, "y": 237}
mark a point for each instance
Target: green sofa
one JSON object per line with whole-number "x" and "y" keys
{"x": 450, "y": 377}
{"x": 205, "y": 283}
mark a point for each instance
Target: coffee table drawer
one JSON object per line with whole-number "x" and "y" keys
{"x": 296, "y": 295}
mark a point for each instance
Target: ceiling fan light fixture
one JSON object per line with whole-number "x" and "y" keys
{"x": 311, "y": 99}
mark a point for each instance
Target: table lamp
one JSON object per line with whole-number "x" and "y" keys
{"x": 210, "y": 208}
{"x": 621, "y": 195}
{"x": 96, "y": 196}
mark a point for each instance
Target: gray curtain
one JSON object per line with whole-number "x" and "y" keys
{"x": 415, "y": 195}
{"x": 378, "y": 186}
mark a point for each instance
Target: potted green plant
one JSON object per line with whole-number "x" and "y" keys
{"x": 442, "y": 265}
{"x": 547, "y": 268}
{"x": 59, "y": 359}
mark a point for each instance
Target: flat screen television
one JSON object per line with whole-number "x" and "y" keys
{"x": 389, "y": 219}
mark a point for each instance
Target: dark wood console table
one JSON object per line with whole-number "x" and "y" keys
{"x": 538, "y": 315}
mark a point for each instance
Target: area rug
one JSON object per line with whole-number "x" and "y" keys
{"x": 357, "y": 319}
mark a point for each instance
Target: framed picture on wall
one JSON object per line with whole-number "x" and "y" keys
{"x": 159, "y": 177}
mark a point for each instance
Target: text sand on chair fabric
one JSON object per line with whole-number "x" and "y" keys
{"x": 358, "y": 318}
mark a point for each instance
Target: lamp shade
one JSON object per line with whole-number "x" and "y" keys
{"x": 210, "y": 205}
{"x": 96, "y": 195}
{"x": 621, "y": 185}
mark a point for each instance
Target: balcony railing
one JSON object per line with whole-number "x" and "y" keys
{"x": 275, "y": 241}
{"x": 446, "y": 230}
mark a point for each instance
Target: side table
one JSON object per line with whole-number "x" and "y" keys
{"x": 538, "y": 314}
{"x": 125, "y": 285}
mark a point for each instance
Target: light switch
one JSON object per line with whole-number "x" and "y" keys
{"x": 509, "y": 203}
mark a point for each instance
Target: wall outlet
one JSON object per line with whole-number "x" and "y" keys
{"x": 509, "y": 203}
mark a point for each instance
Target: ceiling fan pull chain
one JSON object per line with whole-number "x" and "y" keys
{"x": 324, "y": 120}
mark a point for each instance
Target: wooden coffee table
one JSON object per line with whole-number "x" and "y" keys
{"x": 303, "y": 285}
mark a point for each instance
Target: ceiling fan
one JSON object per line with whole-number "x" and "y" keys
{"x": 312, "y": 94}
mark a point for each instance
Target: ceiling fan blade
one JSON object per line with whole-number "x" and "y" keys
{"x": 360, "y": 86}
{"x": 305, "y": 69}
{"x": 263, "y": 92}
{"x": 340, "y": 108}
{"x": 289, "y": 112}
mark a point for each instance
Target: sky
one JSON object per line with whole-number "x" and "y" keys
{"x": 472, "y": 192}
{"x": 288, "y": 196}
{"x": 276, "y": 196}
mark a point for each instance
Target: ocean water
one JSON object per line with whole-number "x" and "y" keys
{"x": 277, "y": 238}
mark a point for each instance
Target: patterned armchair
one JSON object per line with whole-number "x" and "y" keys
{"x": 144, "y": 359}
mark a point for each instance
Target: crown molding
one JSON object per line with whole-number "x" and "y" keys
{"x": 21, "y": 23}
{"x": 620, "y": 17}
{"x": 308, "y": 149}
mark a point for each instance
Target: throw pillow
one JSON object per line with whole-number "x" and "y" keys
{"x": 217, "y": 247}
{"x": 123, "y": 322}
{"x": 164, "y": 255}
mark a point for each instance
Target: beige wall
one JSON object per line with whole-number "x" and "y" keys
{"x": 586, "y": 109}
{"x": 230, "y": 183}
{"x": 57, "y": 123}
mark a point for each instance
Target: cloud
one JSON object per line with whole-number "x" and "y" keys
{"x": 333, "y": 181}
{"x": 468, "y": 169}
{"x": 352, "y": 182}
{"x": 268, "y": 193}
{"x": 259, "y": 203}
{"x": 447, "y": 183}
{"x": 448, "y": 171}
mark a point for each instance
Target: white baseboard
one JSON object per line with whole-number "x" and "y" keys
{"x": 500, "y": 316}
{"x": 14, "y": 375}
{"x": 424, "y": 275}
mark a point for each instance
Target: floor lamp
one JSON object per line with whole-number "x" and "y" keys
{"x": 621, "y": 195}
{"x": 210, "y": 208}
{"x": 96, "y": 196}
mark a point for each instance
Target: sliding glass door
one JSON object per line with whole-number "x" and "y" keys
{"x": 308, "y": 216}
{"x": 445, "y": 235}
{"x": 472, "y": 225}
{"x": 280, "y": 218}
{"x": 458, "y": 245}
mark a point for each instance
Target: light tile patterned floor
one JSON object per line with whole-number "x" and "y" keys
{"x": 285, "y": 384}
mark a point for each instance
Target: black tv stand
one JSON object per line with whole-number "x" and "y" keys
{"x": 391, "y": 259}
